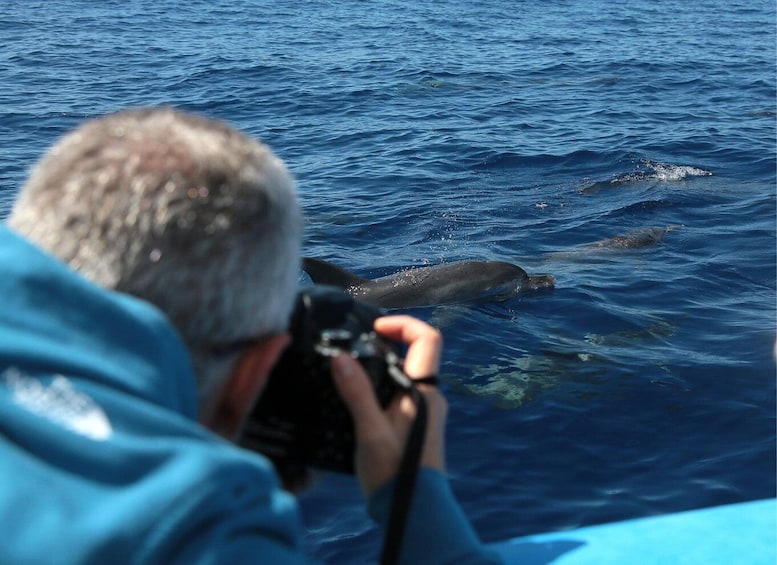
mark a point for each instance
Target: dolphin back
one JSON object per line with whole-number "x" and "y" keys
{"x": 324, "y": 272}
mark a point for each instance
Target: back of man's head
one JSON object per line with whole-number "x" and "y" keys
{"x": 182, "y": 211}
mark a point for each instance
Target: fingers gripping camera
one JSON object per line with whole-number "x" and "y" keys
{"x": 299, "y": 420}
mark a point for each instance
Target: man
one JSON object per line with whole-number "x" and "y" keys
{"x": 101, "y": 456}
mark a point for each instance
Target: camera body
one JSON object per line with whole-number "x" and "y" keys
{"x": 299, "y": 420}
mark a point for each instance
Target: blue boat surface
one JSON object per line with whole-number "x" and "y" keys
{"x": 737, "y": 533}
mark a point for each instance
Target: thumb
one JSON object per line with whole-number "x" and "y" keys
{"x": 356, "y": 391}
{"x": 378, "y": 446}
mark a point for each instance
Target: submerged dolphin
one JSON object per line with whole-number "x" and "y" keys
{"x": 427, "y": 286}
{"x": 634, "y": 239}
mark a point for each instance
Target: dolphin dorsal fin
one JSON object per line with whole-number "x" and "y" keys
{"x": 323, "y": 272}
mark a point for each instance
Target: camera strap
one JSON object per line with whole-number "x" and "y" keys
{"x": 405, "y": 480}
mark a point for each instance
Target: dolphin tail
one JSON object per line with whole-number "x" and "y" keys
{"x": 323, "y": 272}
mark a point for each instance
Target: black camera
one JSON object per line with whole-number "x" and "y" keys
{"x": 299, "y": 420}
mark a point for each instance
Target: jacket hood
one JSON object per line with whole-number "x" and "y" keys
{"x": 57, "y": 322}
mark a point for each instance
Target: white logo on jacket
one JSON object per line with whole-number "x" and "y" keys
{"x": 59, "y": 402}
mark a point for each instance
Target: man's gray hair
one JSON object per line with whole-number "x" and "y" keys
{"x": 182, "y": 211}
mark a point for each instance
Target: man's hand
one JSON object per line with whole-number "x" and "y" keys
{"x": 381, "y": 435}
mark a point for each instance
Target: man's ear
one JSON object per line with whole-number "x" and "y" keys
{"x": 244, "y": 384}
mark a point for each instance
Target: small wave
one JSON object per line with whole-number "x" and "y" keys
{"x": 669, "y": 173}
{"x": 649, "y": 171}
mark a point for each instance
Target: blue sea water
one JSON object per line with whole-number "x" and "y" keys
{"x": 517, "y": 131}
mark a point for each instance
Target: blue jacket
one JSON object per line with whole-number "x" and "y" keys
{"x": 102, "y": 459}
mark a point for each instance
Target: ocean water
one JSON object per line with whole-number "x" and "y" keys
{"x": 516, "y": 131}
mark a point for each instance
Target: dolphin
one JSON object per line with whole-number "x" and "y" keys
{"x": 634, "y": 239}
{"x": 464, "y": 281}
{"x": 446, "y": 283}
